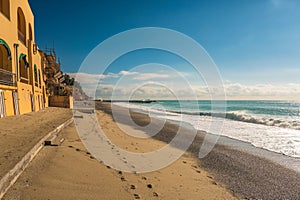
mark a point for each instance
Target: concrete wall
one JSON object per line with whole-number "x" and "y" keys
{"x": 61, "y": 101}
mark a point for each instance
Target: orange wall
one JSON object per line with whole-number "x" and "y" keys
{"x": 8, "y": 101}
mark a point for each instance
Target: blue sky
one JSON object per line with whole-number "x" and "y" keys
{"x": 255, "y": 44}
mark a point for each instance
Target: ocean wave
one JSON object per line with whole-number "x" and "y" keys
{"x": 287, "y": 122}
{"x": 291, "y": 122}
{"x": 279, "y": 135}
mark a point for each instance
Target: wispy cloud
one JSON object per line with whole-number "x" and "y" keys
{"x": 165, "y": 86}
{"x": 151, "y": 76}
{"x": 85, "y": 78}
{"x": 128, "y": 73}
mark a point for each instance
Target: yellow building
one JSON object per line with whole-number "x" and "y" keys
{"x": 22, "y": 87}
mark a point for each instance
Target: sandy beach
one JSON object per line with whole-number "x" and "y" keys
{"x": 19, "y": 134}
{"x": 69, "y": 171}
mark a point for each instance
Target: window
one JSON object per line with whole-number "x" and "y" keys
{"x": 4, "y": 8}
{"x": 23, "y": 65}
{"x": 30, "y": 33}
{"x": 21, "y": 26}
{"x": 39, "y": 75}
{"x": 35, "y": 75}
{"x": 5, "y": 56}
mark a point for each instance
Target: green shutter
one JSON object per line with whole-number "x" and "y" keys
{"x": 2, "y": 42}
{"x": 23, "y": 57}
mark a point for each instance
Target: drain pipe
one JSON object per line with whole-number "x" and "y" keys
{"x": 17, "y": 61}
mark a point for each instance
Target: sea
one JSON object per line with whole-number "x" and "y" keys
{"x": 271, "y": 125}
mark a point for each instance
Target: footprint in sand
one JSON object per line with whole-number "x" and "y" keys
{"x": 144, "y": 178}
{"x": 132, "y": 187}
{"x": 149, "y": 186}
{"x": 155, "y": 194}
{"x": 136, "y": 196}
{"x": 123, "y": 179}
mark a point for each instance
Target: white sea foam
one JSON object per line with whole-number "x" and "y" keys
{"x": 273, "y": 138}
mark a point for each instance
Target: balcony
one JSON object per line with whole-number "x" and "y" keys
{"x": 7, "y": 78}
{"x": 21, "y": 37}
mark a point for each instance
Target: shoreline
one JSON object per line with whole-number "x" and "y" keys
{"x": 69, "y": 171}
{"x": 282, "y": 159}
{"x": 237, "y": 169}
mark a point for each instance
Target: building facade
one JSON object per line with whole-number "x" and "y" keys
{"x": 22, "y": 86}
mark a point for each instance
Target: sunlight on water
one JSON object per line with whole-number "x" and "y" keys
{"x": 272, "y": 125}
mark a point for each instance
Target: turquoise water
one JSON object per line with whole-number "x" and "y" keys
{"x": 272, "y": 125}
{"x": 275, "y": 113}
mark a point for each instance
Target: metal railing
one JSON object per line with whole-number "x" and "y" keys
{"x": 7, "y": 78}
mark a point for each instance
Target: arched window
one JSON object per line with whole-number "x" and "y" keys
{"x": 39, "y": 75}
{"x": 23, "y": 65}
{"x": 5, "y": 56}
{"x": 35, "y": 75}
{"x": 21, "y": 26}
{"x": 30, "y": 33}
{"x": 5, "y": 8}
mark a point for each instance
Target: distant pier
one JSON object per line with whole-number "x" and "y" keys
{"x": 130, "y": 101}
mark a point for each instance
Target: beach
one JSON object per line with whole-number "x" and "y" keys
{"x": 69, "y": 171}
{"x": 19, "y": 134}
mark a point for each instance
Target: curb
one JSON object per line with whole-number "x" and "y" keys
{"x": 11, "y": 177}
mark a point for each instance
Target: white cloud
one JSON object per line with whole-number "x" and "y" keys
{"x": 127, "y": 73}
{"x": 85, "y": 78}
{"x": 263, "y": 91}
{"x": 166, "y": 84}
{"x": 148, "y": 76}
